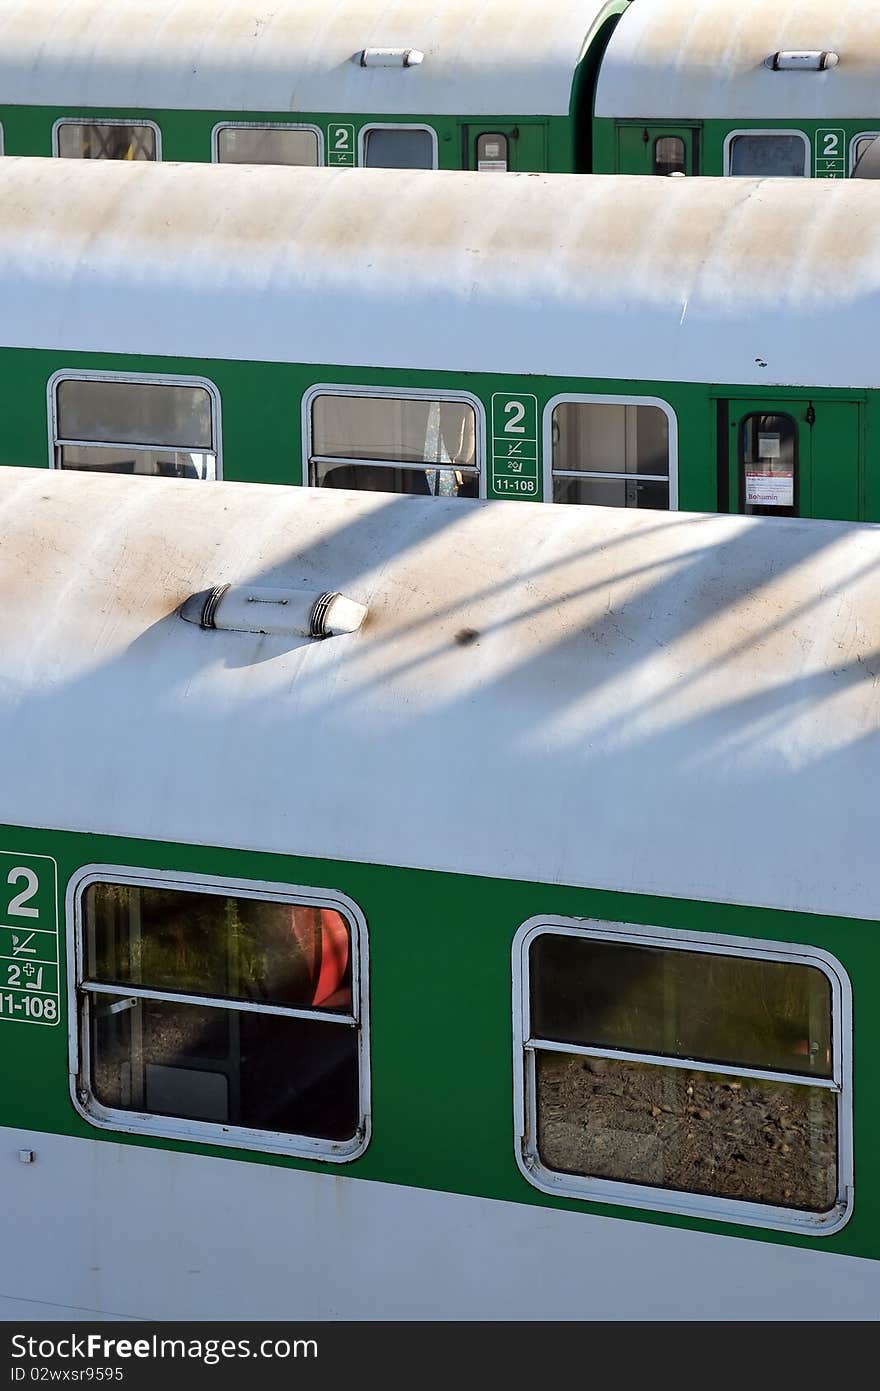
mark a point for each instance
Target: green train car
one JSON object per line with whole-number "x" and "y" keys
{"x": 434, "y": 909}
{"x": 623, "y": 342}
{"x": 653, "y": 87}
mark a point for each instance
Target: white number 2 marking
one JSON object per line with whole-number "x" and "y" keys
{"x": 832, "y": 144}
{"x": 516, "y": 410}
{"x": 16, "y": 907}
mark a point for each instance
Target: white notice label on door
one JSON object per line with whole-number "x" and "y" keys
{"x": 770, "y": 490}
{"x": 769, "y": 446}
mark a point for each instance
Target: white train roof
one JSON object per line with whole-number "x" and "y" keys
{"x": 714, "y": 280}
{"x": 663, "y": 703}
{"x": 700, "y": 59}
{"x": 492, "y": 57}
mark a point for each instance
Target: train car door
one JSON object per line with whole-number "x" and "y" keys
{"x": 793, "y": 458}
{"x": 497, "y": 149}
{"x": 657, "y": 149}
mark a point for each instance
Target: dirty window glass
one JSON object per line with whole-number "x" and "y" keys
{"x": 408, "y": 445}
{"x": 780, "y": 155}
{"x": 610, "y": 454}
{"x": 105, "y": 140}
{"x": 267, "y": 145}
{"x": 271, "y": 1041}
{"x": 399, "y": 149}
{"x": 135, "y": 427}
{"x": 645, "y": 1063}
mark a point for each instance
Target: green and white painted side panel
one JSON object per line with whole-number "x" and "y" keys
{"x": 263, "y": 423}
{"x": 442, "y": 1125}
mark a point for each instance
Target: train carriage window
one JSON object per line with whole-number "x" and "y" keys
{"x": 117, "y": 425}
{"x": 769, "y": 465}
{"x": 226, "y": 1012}
{"x": 2, "y": 149}
{"x": 492, "y": 154}
{"x": 399, "y": 147}
{"x": 267, "y": 144}
{"x": 859, "y": 146}
{"x": 685, "y": 1074}
{"x": 670, "y": 155}
{"x": 107, "y": 140}
{"x": 778, "y": 153}
{"x": 407, "y": 444}
{"x": 612, "y": 453}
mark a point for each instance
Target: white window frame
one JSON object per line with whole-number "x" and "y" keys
{"x": 108, "y": 121}
{"x": 767, "y": 130}
{"x": 636, "y": 1195}
{"x": 267, "y": 125}
{"x": 214, "y": 1132}
{"x": 364, "y": 132}
{"x": 2, "y": 147}
{"x": 393, "y": 393}
{"x": 68, "y": 374}
{"x": 859, "y": 135}
{"x": 591, "y": 399}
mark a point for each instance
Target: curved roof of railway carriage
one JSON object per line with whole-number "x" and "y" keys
{"x": 661, "y": 703}
{"x": 700, "y": 59}
{"x": 714, "y": 280}
{"x": 487, "y": 58}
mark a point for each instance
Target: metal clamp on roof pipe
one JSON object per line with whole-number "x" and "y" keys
{"x": 802, "y": 60}
{"x": 389, "y": 57}
{"x": 277, "y": 612}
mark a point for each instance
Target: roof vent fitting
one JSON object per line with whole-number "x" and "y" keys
{"x": 276, "y": 612}
{"x": 389, "y": 57}
{"x": 802, "y": 60}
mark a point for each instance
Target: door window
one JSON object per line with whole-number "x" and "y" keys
{"x": 769, "y": 460}
{"x": 670, "y": 155}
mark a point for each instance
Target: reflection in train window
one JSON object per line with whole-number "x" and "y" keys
{"x": 859, "y": 146}
{"x": 670, "y": 155}
{"x": 611, "y": 454}
{"x": 117, "y": 425}
{"x": 267, "y": 144}
{"x": 783, "y": 154}
{"x": 399, "y": 147}
{"x": 107, "y": 140}
{"x": 406, "y": 444}
{"x": 654, "y": 1070}
{"x": 769, "y": 465}
{"x": 234, "y": 1009}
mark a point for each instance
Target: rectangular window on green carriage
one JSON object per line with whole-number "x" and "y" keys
{"x": 156, "y": 428}
{"x": 706, "y": 1081}
{"x": 268, "y": 144}
{"x": 612, "y": 453}
{"x": 399, "y": 147}
{"x": 767, "y": 153}
{"x": 222, "y": 1013}
{"x": 137, "y": 140}
{"x": 394, "y": 444}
